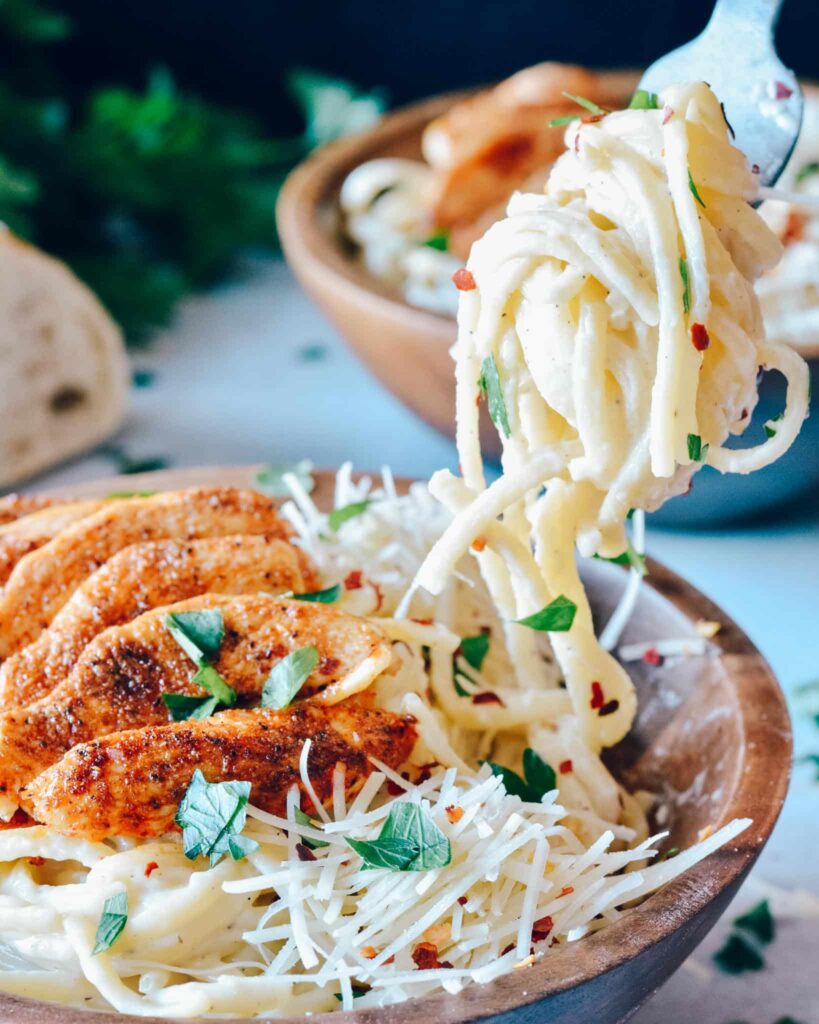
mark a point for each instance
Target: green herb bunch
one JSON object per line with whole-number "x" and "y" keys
{"x": 145, "y": 194}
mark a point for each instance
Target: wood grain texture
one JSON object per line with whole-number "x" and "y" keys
{"x": 723, "y": 715}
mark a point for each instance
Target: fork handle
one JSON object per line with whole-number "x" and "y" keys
{"x": 744, "y": 16}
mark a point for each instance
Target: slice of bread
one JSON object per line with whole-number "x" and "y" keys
{"x": 63, "y": 369}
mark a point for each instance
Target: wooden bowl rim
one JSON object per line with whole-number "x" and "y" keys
{"x": 758, "y": 794}
{"x": 316, "y": 181}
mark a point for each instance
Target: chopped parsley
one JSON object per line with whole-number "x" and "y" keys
{"x": 556, "y": 617}
{"x": 490, "y": 384}
{"x": 770, "y": 430}
{"x": 212, "y": 816}
{"x": 409, "y": 841}
{"x": 631, "y": 557}
{"x": 644, "y": 100}
{"x": 696, "y": 449}
{"x": 362, "y": 990}
{"x": 288, "y": 676}
{"x": 694, "y": 191}
{"x": 759, "y": 922}
{"x": 439, "y": 241}
{"x": 538, "y": 778}
{"x": 589, "y": 105}
{"x": 112, "y": 922}
{"x": 474, "y": 649}
{"x": 305, "y": 819}
{"x": 270, "y": 480}
{"x": 113, "y": 495}
{"x": 200, "y": 636}
{"x": 339, "y": 516}
{"x": 686, "y": 288}
{"x": 327, "y": 596}
{"x": 807, "y": 171}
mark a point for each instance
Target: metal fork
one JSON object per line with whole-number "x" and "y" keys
{"x": 735, "y": 54}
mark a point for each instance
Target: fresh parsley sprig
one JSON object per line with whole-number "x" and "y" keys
{"x": 490, "y": 386}
{"x": 327, "y": 596}
{"x": 538, "y": 778}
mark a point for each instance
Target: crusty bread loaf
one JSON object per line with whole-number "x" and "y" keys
{"x": 63, "y": 369}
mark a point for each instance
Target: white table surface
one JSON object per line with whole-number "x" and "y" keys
{"x": 252, "y": 372}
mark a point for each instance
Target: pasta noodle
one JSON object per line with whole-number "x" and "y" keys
{"x": 618, "y": 315}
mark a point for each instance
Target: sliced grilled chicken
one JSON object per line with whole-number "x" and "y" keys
{"x": 120, "y": 676}
{"x": 131, "y": 783}
{"x": 26, "y": 533}
{"x": 42, "y": 583}
{"x": 142, "y": 577}
{"x": 15, "y": 506}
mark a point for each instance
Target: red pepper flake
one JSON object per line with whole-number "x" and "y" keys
{"x": 755, "y": 169}
{"x": 479, "y": 543}
{"x": 598, "y": 698}
{"x": 565, "y": 767}
{"x": 304, "y": 852}
{"x": 422, "y": 622}
{"x": 507, "y": 949}
{"x": 652, "y": 657}
{"x": 592, "y": 118}
{"x": 150, "y": 867}
{"x": 781, "y": 91}
{"x": 390, "y": 960}
{"x": 699, "y": 337}
{"x": 454, "y": 813}
{"x": 369, "y": 952}
{"x": 463, "y": 900}
{"x": 37, "y": 862}
{"x": 394, "y": 789}
{"x": 744, "y": 414}
{"x": 794, "y": 228}
{"x": 425, "y": 957}
{"x": 567, "y": 890}
{"x": 487, "y": 697}
{"x": 352, "y": 580}
{"x": 668, "y": 113}
{"x": 609, "y": 708}
{"x": 463, "y": 280}
{"x": 541, "y": 929}
{"x": 379, "y": 597}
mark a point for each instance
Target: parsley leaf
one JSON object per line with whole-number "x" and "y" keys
{"x": 305, "y": 819}
{"x": 592, "y": 107}
{"x": 114, "y": 495}
{"x": 758, "y": 921}
{"x": 209, "y": 679}
{"x": 288, "y": 676}
{"x": 270, "y": 480}
{"x": 409, "y": 841}
{"x": 539, "y": 777}
{"x": 199, "y": 634}
{"x": 644, "y": 100}
{"x": 439, "y": 241}
{"x": 556, "y": 617}
{"x": 630, "y": 557}
{"x": 112, "y": 921}
{"x": 490, "y": 384}
{"x": 327, "y": 596}
{"x": 770, "y": 430}
{"x": 362, "y": 990}
{"x": 807, "y": 171}
{"x": 183, "y": 707}
{"x": 686, "y": 289}
{"x": 339, "y": 516}
{"x": 694, "y": 191}
{"x": 474, "y": 649}
{"x": 556, "y": 122}
{"x": 212, "y": 816}
{"x": 738, "y": 955}
{"x": 696, "y": 449}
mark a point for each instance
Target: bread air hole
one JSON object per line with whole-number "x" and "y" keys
{"x": 67, "y": 398}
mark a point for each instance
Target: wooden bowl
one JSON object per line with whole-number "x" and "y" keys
{"x": 408, "y": 348}
{"x": 721, "y": 719}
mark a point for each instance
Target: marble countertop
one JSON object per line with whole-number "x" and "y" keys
{"x": 252, "y": 372}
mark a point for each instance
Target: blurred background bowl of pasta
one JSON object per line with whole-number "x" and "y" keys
{"x": 375, "y": 225}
